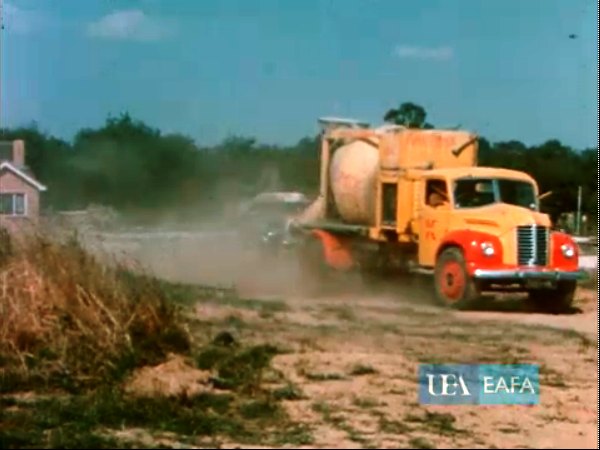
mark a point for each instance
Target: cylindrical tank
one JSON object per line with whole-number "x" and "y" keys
{"x": 353, "y": 178}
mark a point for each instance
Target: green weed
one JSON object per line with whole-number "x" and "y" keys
{"x": 362, "y": 369}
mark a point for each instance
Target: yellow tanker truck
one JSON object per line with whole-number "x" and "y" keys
{"x": 416, "y": 200}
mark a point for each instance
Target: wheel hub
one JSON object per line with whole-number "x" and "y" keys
{"x": 452, "y": 281}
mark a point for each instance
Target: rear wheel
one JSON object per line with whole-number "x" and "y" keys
{"x": 453, "y": 286}
{"x": 558, "y": 300}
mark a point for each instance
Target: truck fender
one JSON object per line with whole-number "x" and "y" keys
{"x": 470, "y": 242}
{"x": 336, "y": 251}
{"x": 559, "y": 261}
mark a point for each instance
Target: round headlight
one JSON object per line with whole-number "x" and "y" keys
{"x": 568, "y": 251}
{"x": 488, "y": 249}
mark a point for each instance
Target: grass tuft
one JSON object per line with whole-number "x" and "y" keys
{"x": 362, "y": 369}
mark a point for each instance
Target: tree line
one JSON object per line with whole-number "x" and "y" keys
{"x": 133, "y": 167}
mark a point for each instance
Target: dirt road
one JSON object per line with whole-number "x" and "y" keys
{"x": 353, "y": 356}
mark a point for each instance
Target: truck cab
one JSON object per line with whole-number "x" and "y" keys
{"x": 481, "y": 228}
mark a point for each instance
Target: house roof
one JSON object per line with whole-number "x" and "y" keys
{"x": 23, "y": 174}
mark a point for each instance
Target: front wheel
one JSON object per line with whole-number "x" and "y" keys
{"x": 558, "y": 300}
{"x": 453, "y": 286}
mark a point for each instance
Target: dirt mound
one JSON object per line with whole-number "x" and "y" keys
{"x": 173, "y": 378}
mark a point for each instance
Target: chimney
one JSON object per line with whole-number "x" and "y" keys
{"x": 19, "y": 153}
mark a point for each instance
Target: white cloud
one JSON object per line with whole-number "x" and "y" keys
{"x": 425, "y": 53}
{"x": 131, "y": 24}
{"x": 21, "y": 21}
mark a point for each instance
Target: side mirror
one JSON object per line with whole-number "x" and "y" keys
{"x": 545, "y": 195}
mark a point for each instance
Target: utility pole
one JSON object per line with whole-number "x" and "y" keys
{"x": 1, "y": 41}
{"x": 579, "y": 195}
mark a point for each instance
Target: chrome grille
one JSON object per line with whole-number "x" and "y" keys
{"x": 532, "y": 245}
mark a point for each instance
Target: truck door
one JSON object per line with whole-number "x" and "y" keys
{"x": 434, "y": 219}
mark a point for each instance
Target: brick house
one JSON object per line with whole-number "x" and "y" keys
{"x": 19, "y": 190}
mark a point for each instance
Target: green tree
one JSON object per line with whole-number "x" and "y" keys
{"x": 130, "y": 165}
{"x": 409, "y": 115}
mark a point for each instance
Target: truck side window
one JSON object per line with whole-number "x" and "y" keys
{"x": 389, "y": 193}
{"x": 436, "y": 193}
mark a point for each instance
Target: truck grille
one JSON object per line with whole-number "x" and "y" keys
{"x": 532, "y": 245}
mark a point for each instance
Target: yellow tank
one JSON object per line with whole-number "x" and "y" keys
{"x": 353, "y": 178}
{"x": 350, "y": 173}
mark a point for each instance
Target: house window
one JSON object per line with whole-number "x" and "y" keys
{"x": 12, "y": 204}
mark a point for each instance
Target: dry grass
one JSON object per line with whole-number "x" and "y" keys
{"x": 72, "y": 331}
{"x": 64, "y": 314}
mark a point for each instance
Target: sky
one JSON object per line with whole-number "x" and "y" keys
{"x": 271, "y": 68}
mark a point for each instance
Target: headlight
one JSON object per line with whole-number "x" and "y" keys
{"x": 488, "y": 249}
{"x": 568, "y": 251}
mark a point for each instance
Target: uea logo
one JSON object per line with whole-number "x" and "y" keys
{"x": 479, "y": 384}
{"x": 449, "y": 380}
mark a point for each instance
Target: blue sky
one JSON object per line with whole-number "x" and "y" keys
{"x": 270, "y": 68}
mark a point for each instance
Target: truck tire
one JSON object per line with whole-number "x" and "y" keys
{"x": 555, "y": 301}
{"x": 454, "y": 287}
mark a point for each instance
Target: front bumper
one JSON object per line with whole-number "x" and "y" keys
{"x": 529, "y": 274}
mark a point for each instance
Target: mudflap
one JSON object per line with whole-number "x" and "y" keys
{"x": 325, "y": 263}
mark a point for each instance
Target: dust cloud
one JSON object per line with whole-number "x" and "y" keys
{"x": 216, "y": 258}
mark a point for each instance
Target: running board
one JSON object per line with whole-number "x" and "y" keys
{"x": 336, "y": 227}
{"x": 422, "y": 271}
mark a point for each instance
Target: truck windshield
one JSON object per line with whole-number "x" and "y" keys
{"x": 475, "y": 192}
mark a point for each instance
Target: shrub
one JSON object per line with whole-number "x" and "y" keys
{"x": 65, "y": 315}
